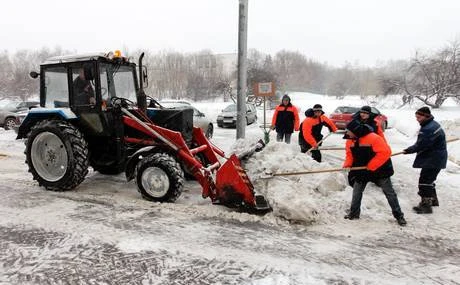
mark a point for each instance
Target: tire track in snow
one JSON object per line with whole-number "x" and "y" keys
{"x": 36, "y": 256}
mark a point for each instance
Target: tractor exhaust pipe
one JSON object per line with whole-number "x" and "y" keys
{"x": 141, "y": 96}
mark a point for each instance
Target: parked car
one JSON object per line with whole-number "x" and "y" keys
{"x": 199, "y": 118}
{"x": 18, "y": 106}
{"x": 11, "y": 113}
{"x": 343, "y": 115}
{"x": 227, "y": 118}
{"x": 8, "y": 120}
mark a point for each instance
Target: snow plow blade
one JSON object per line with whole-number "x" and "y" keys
{"x": 235, "y": 189}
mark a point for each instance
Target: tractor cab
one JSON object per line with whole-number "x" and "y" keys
{"x": 85, "y": 85}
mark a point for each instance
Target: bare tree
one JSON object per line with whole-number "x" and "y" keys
{"x": 6, "y": 74}
{"x": 341, "y": 82}
{"x": 434, "y": 78}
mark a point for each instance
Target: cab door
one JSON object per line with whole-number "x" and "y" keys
{"x": 85, "y": 96}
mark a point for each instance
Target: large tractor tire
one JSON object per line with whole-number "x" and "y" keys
{"x": 159, "y": 178}
{"x": 57, "y": 155}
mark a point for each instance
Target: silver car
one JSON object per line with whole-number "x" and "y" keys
{"x": 8, "y": 120}
{"x": 228, "y": 116}
{"x": 199, "y": 118}
{"x": 12, "y": 113}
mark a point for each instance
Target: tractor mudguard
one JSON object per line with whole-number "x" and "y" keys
{"x": 135, "y": 158}
{"x": 39, "y": 114}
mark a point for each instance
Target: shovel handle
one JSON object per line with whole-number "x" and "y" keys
{"x": 318, "y": 143}
{"x": 320, "y": 171}
{"x": 447, "y": 141}
{"x": 331, "y": 148}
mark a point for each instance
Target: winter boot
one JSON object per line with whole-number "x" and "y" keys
{"x": 351, "y": 217}
{"x": 401, "y": 221}
{"x": 434, "y": 201}
{"x": 424, "y": 207}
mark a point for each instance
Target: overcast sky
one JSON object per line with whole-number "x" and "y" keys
{"x": 332, "y": 31}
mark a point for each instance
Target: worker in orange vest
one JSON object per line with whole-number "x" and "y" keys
{"x": 310, "y": 130}
{"x": 285, "y": 120}
{"x": 365, "y": 148}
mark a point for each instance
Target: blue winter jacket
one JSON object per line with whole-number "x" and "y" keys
{"x": 430, "y": 146}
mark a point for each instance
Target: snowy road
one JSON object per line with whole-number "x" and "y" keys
{"x": 104, "y": 233}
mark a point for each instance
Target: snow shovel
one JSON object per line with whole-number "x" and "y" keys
{"x": 313, "y": 171}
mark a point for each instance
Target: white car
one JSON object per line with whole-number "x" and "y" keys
{"x": 199, "y": 118}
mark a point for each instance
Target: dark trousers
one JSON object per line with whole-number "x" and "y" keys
{"x": 286, "y": 136}
{"x": 390, "y": 194}
{"x": 315, "y": 154}
{"x": 426, "y": 185}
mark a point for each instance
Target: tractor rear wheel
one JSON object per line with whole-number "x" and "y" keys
{"x": 57, "y": 155}
{"x": 159, "y": 178}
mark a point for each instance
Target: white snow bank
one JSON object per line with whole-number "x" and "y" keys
{"x": 310, "y": 198}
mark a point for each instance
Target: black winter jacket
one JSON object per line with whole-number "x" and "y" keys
{"x": 430, "y": 146}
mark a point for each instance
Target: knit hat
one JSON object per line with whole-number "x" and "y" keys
{"x": 309, "y": 113}
{"x": 365, "y": 109}
{"x": 424, "y": 111}
{"x": 358, "y": 129}
{"x": 317, "y": 107}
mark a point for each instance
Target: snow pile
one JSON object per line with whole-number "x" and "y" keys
{"x": 9, "y": 144}
{"x": 310, "y": 198}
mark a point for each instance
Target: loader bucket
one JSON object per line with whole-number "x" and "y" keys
{"x": 235, "y": 189}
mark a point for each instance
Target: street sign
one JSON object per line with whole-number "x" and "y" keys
{"x": 264, "y": 89}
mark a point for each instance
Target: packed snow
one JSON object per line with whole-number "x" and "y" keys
{"x": 104, "y": 233}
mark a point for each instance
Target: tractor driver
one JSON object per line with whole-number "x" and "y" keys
{"x": 82, "y": 89}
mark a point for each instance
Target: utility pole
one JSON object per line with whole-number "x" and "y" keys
{"x": 242, "y": 69}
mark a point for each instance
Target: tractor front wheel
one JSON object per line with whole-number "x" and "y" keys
{"x": 57, "y": 155}
{"x": 159, "y": 178}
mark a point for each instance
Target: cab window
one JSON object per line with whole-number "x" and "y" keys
{"x": 123, "y": 79}
{"x": 56, "y": 87}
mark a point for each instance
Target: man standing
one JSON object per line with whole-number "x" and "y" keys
{"x": 310, "y": 130}
{"x": 365, "y": 116}
{"x": 431, "y": 158}
{"x": 365, "y": 148}
{"x": 285, "y": 120}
